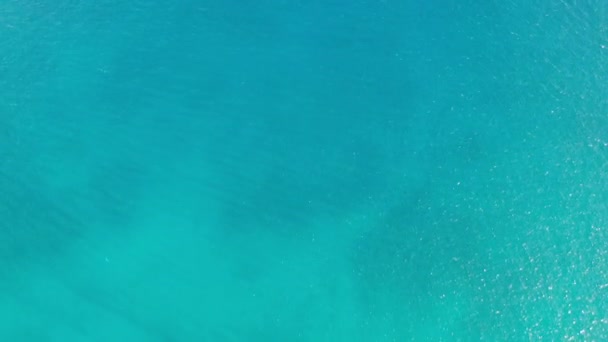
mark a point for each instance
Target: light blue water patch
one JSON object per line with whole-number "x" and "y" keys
{"x": 303, "y": 171}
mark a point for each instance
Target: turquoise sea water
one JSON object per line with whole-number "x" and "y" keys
{"x": 303, "y": 170}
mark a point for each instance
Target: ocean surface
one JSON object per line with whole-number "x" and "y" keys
{"x": 273, "y": 170}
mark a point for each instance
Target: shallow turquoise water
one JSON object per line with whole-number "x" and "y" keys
{"x": 303, "y": 171}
